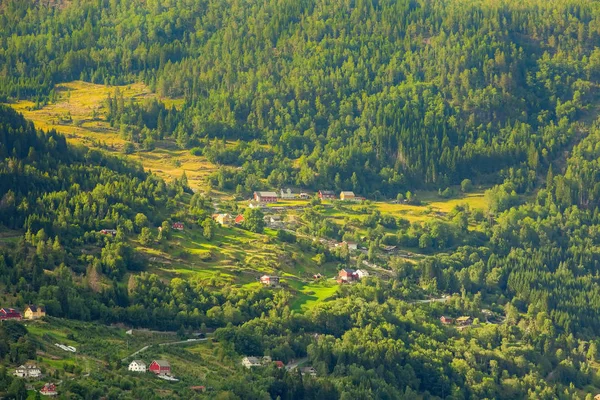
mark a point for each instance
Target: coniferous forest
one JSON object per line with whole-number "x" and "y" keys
{"x": 416, "y": 106}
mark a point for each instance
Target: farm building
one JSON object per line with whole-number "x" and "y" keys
{"x": 34, "y": 312}
{"x": 287, "y": 194}
{"x": 347, "y": 196}
{"x": 250, "y": 362}
{"x": 361, "y": 273}
{"x": 265, "y": 197}
{"x": 223, "y": 219}
{"x": 446, "y": 320}
{"x": 137, "y": 366}
{"x": 160, "y": 367}
{"x": 28, "y": 372}
{"x": 304, "y": 196}
{"x": 49, "y": 389}
{"x": 347, "y": 275}
{"x": 464, "y": 321}
{"x": 10, "y": 313}
{"x": 326, "y": 194}
{"x": 269, "y": 280}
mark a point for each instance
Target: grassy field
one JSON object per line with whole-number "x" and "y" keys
{"x": 81, "y": 100}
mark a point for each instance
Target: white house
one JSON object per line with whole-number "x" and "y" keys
{"x": 28, "y": 371}
{"x": 250, "y": 362}
{"x": 137, "y": 366}
{"x": 361, "y": 273}
{"x": 287, "y": 194}
{"x": 351, "y": 245}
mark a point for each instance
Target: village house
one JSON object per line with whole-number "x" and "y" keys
{"x": 112, "y": 232}
{"x": 351, "y": 245}
{"x": 326, "y": 194}
{"x": 177, "y": 226}
{"x": 250, "y": 362}
{"x": 34, "y": 312}
{"x": 239, "y": 219}
{"x": 304, "y": 196}
{"x": 308, "y": 371}
{"x": 269, "y": 280}
{"x": 361, "y": 273}
{"x": 10, "y": 313}
{"x": 464, "y": 321}
{"x": 446, "y": 320}
{"x": 279, "y": 364}
{"x": 28, "y": 372}
{"x": 223, "y": 219}
{"x": 265, "y": 197}
{"x": 287, "y": 194}
{"x": 137, "y": 366}
{"x": 160, "y": 367}
{"x": 347, "y": 275}
{"x": 49, "y": 389}
{"x": 347, "y": 196}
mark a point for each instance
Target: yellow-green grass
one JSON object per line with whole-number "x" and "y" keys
{"x": 313, "y": 293}
{"x": 81, "y": 99}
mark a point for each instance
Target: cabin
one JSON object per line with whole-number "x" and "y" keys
{"x": 223, "y": 219}
{"x": 10, "y": 313}
{"x": 464, "y": 321}
{"x": 347, "y": 196}
{"x": 112, "y": 232}
{"x": 239, "y": 219}
{"x": 287, "y": 194}
{"x": 361, "y": 273}
{"x": 49, "y": 389}
{"x": 250, "y": 362}
{"x": 265, "y": 197}
{"x": 446, "y": 320}
{"x": 137, "y": 366}
{"x": 28, "y": 372}
{"x": 177, "y": 226}
{"x": 326, "y": 194}
{"x": 347, "y": 275}
{"x": 34, "y": 312}
{"x": 160, "y": 367}
{"x": 269, "y": 280}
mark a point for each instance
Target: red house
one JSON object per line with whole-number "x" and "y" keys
{"x": 178, "y": 226}
{"x": 269, "y": 280}
{"x": 160, "y": 367}
{"x": 279, "y": 364}
{"x": 239, "y": 219}
{"x": 49, "y": 389}
{"x": 326, "y": 194}
{"x": 347, "y": 275}
{"x": 446, "y": 320}
{"x": 10, "y": 313}
{"x": 265, "y": 197}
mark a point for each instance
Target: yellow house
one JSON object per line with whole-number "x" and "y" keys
{"x": 347, "y": 196}
{"x": 223, "y": 219}
{"x": 34, "y": 312}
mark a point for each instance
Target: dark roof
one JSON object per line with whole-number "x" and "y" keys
{"x": 331, "y": 192}
{"x": 347, "y": 270}
{"x": 35, "y": 308}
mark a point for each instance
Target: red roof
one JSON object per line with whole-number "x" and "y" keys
{"x": 239, "y": 219}
{"x": 279, "y": 364}
{"x": 10, "y": 313}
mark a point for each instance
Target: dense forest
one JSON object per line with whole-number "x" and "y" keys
{"x": 380, "y": 97}
{"x": 373, "y": 96}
